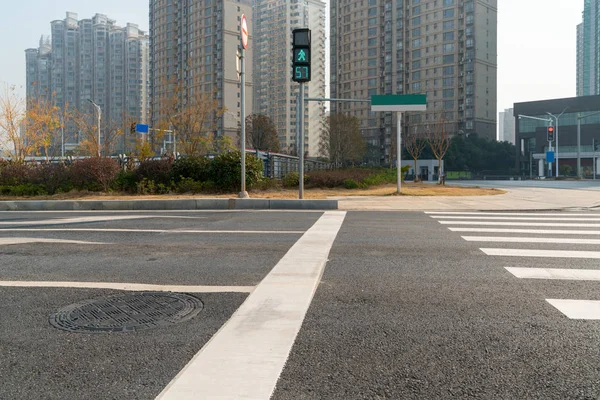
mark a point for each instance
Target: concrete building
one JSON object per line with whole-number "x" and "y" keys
{"x": 193, "y": 44}
{"x": 274, "y": 92}
{"x": 531, "y": 135}
{"x": 506, "y": 126}
{"x": 92, "y": 59}
{"x": 588, "y": 45}
{"x": 444, "y": 48}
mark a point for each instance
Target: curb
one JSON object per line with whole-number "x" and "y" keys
{"x": 181, "y": 204}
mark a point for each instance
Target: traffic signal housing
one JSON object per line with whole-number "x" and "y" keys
{"x": 132, "y": 128}
{"x": 551, "y": 134}
{"x": 301, "y": 55}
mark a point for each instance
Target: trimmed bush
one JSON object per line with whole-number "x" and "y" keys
{"x": 291, "y": 180}
{"x": 196, "y": 168}
{"x": 351, "y": 184}
{"x": 159, "y": 171}
{"x": 226, "y": 171}
{"x": 94, "y": 174}
{"x": 25, "y": 189}
{"x": 125, "y": 182}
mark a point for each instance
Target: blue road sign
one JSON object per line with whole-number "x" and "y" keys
{"x": 141, "y": 128}
{"x": 550, "y": 156}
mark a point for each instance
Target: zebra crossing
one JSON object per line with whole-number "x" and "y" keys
{"x": 527, "y": 236}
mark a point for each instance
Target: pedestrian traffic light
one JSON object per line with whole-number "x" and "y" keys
{"x": 551, "y": 134}
{"x": 301, "y": 55}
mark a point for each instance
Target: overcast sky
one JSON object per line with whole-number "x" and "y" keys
{"x": 536, "y": 40}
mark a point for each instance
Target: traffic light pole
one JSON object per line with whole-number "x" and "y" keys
{"x": 243, "y": 193}
{"x": 300, "y": 144}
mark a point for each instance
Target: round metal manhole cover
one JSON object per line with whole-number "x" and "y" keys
{"x": 127, "y": 312}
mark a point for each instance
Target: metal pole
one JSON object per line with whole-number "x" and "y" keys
{"x": 399, "y": 151}
{"x": 301, "y": 144}
{"x": 243, "y": 193}
{"x": 579, "y": 146}
{"x": 530, "y": 164}
{"x": 99, "y": 117}
{"x": 62, "y": 138}
{"x": 549, "y": 164}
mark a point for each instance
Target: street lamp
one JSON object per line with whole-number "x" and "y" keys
{"x": 549, "y": 121}
{"x": 579, "y": 118}
{"x": 99, "y": 111}
{"x": 556, "y": 118}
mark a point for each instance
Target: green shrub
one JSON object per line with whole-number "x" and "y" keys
{"x": 291, "y": 180}
{"x": 351, "y": 184}
{"x": 56, "y": 178}
{"x": 147, "y": 186}
{"x": 196, "y": 168}
{"x": 14, "y": 174}
{"x": 226, "y": 171}
{"x": 159, "y": 171}
{"x": 188, "y": 185}
{"x": 94, "y": 174}
{"x": 268, "y": 184}
{"x": 25, "y": 189}
{"x": 126, "y": 181}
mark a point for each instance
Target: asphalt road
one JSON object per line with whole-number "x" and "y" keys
{"x": 536, "y": 183}
{"x": 409, "y": 306}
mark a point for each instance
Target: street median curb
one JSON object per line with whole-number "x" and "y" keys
{"x": 179, "y": 204}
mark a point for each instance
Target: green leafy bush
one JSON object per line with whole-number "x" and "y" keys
{"x": 226, "y": 171}
{"x": 25, "y": 189}
{"x": 196, "y": 168}
{"x": 159, "y": 171}
{"x": 125, "y": 181}
{"x": 291, "y": 180}
{"x": 188, "y": 185}
{"x": 351, "y": 184}
{"x": 353, "y": 178}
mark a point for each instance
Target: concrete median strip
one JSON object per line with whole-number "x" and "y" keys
{"x": 130, "y": 287}
{"x": 245, "y": 357}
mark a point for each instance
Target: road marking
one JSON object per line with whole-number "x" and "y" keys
{"x": 534, "y": 231}
{"x": 134, "y": 287}
{"x": 577, "y": 309}
{"x": 513, "y": 214}
{"x": 22, "y": 240}
{"x": 583, "y": 219}
{"x": 495, "y": 223}
{"x": 58, "y": 221}
{"x": 503, "y": 239}
{"x": 542, "y": 253}
{"x": 142, "y": 230}
{"x": 555, "y": 273}
{"x": 245, "y": 358}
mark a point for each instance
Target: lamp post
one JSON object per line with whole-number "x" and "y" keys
{"x": 556, "y": 118}
{"x": 99, "y": 111}
{"x": 579, "y": 118}
{"x": 549, "y": 121}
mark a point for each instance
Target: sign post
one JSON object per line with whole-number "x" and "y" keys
{"x": 399, "y": 103}
{"x": 244, "y": 34}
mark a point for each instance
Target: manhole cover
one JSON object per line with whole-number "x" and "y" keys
{"x": 127, "y": 312}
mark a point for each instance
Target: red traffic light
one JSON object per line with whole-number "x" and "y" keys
{"x": 550, "y": 129}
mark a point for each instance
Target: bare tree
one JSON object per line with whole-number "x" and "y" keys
{"x": 341, "y": 140}
{"x": 44, "y": 122}
{"x": 87, "y": 125}
{"x": 261, "y": 133}
{"x": 439, "y": 140}
{"x": 193, "y": 114}
{"x": 415, "y": 144}
{"x": 16, "y": 139}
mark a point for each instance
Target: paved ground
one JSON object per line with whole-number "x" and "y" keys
{"x": 409, "y": 306}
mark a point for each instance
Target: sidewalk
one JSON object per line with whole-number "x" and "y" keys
{"x": 514, "y": 199}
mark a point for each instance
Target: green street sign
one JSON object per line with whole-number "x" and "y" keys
{"x": 399, "y": 102}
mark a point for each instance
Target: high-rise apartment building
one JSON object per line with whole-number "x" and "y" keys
{"x": 444, "y": 48}
{"x": 588, "y": 46}
{"x": 92, "y": 59}
{"x": 193, "y": 44}
{"x": 275, "y": 95}
{"x": 506, "y": 126}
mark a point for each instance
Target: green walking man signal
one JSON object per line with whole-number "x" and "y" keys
{"x": 301, "y": 53}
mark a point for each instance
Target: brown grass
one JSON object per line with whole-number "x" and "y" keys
{"x": 408, "y": 189}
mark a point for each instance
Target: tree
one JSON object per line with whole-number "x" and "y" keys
{"x": 193, "y": 114}
{"x": 438, "y": 138}
{"x": 87, "y": 125}
{"x": 341, "y": 140}
{"x": 16, "y": 139}
{"x": 45, "y": 120}
{"x": 415, "y": 143}
{"x": 261, "y": 133}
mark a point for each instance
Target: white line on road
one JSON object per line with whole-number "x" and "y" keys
{"x": 174, "y": 231}
{"x": 577, "y": 309}
{"x": 245, "y": 358}
{"x": 131, "y": 287}
{"x": 22, "y": 240}
{"x": 106, "y": 218}
{"x": 542, "y": 253}
{"x": 494, "y": 223}
{"x": 533, "y": 231}
{"x": 581, "y": 219}
{"x": 512, "y": 239}
{"x": 555, "y": 273}
{"x": 524, "y": 214}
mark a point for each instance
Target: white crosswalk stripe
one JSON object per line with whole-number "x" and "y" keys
{"x": 527, "y": 236}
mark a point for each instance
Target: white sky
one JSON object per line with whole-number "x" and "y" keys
{"x": 536, "y": 40}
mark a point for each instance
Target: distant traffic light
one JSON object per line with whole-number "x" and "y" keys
{"x": 551, "y": 134}
{"x": 132, "y": 128}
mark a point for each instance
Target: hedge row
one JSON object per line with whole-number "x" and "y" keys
{"x": 191, "y": 174}
{"x": 352, "y": 178}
